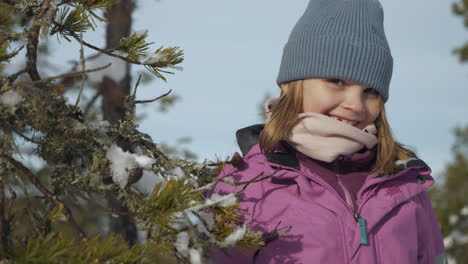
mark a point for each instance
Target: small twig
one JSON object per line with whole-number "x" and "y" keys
{"x": 83, "y": 69}
{"x": 71, "y": 74}
{"x": 11, "y": 201}
{"x": 12, "y": 78}
{"x": 35, "y": 181}
{"x": 256, "y": 179}
{"x": 34, "y": 220}
{"x": 91, "y": 102}
{"x": 152, "y": 100}
{"x": 26, "y": 137}
{"x": 136, "y": 86}
{"x": 10, "y": 55}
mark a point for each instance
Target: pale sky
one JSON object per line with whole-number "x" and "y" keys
{"x": 232, "y": 55}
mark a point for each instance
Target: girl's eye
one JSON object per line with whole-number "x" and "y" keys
{"x": 336, "y": 81}
{"x": 371, "y": 91}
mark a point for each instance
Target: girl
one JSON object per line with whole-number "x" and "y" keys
{"x": 343, "y": 189}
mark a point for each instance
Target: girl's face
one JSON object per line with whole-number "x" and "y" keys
{"x": 345, "y": 100}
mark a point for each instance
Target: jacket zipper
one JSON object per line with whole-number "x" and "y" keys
{"x": 356, "y": 215}
{"x": 337, "y": 172}
{"x": 346, "y": 192}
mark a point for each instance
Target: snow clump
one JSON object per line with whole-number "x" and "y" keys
{"x": 464, "y": 211}
{"x": 155, "y": 58}
{"x": 122, "y": 162}
{"x": 147, "y": 182}
{"x": 195, "y": 256}
{"x": 140, "y": 33}
{"x": 116, "y": 71}
{"x": 237, "y": 235}
{"x": 182, "y": 243}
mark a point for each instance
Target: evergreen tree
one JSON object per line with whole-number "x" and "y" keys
{"x": 41, "y": 211}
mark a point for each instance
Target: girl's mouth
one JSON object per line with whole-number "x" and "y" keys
{"x": 352, "y": 123}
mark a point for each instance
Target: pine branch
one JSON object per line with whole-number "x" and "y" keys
{"x": 107, "y": 52}
{"x": 161, "y": 58}
{"x": 69, "y": 22}
{"x": 135, "y": 45}
{"x": 86, "y": 9}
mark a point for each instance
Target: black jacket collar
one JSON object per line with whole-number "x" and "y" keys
{"x": 249, "y": 136}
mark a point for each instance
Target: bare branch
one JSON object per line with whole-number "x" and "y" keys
{"x": 11, "y": 201}
{"x": 152, "y": 100}
{"x": 91, "y": 102}
{"x": 12, "y": 78}
{"x": 83, "y": 69}
{"x": 136, "y": 86}
{"x": 71, "y": 74}
{"x": 26, "y": 137}
{"x": 257, "y": 178}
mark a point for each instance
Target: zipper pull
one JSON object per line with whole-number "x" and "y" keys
{"x": 362, "y": 227}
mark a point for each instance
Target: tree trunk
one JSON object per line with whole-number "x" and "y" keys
{"x": 113, "y": 95}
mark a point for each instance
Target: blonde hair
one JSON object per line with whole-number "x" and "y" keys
{"x": 284, "y": 115}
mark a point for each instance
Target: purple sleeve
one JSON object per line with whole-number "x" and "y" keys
{"x": 431, "y": 248}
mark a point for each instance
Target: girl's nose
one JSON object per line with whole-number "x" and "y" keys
{"x": 354, "y": 102}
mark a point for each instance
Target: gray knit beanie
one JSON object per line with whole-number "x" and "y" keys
{"x": 339, "y": 39}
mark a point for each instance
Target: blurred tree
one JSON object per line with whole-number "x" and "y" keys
{"x": 451, "y": 200}
{"x": 449, "y": 197}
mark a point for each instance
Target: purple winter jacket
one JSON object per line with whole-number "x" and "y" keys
{"x": 393, "y": 223}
